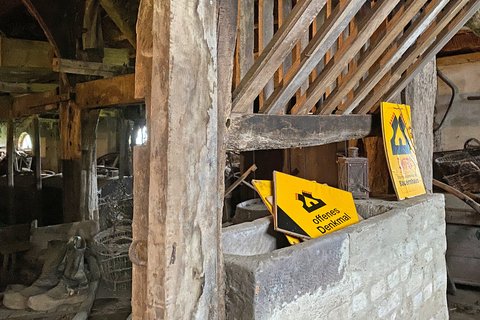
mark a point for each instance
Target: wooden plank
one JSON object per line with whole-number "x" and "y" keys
{"x": 70, "y": 131}
{"x": 421, "y": 95}
{"x": 447, "y": 32}
{"x": 89, "y": 188}
{"x": 140, "y": 231}
{"x": 312, "y": 55}
{"x": 378, "y": 174}
{"x": 36, "y": 151}
{"x": 227, "y": 35}
{"x": 275, "y": 52}
{"x": 86, "y": 68}
{"x": 11, "y": 171}
{"x": 184, "y": 226}
{"x": 394, "y": 28}
{"x": 406, "y": 55}
{"x": 262, "y": 132}
{"x": 246, "y": 32}
{"x": 123, "y": 14}
{"x": 265, "y": 35}
{"x": 25, "y": 53}
{"x": 15, "y": 87}
{"x": 341, "y": 59}
{"x": 37, "y": 103}
{"x": 458, "y": 59}
{"x": 143, "y": 61}
{"x": 118, "y": 90}
{"x": 5, "y": 107}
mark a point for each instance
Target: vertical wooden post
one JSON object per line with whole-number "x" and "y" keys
{"x": 138, "y": 249}
{"x": 89, "y": 189}
{"x": 141, "y": 158}
{"x": 11, "y": 170}
{"x": 37, "y": 153}
{"x": 70, "y": 138}
{"x": 124, "y": 132}
{"x": 183, "y": 273}
{"x": 421, "y": 95}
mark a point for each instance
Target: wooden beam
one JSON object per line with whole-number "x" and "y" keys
{"x": 445, "y": 35}
{"x": 15, "y": 87}
{"x": 262, "y": 132}
{"x": 5, "y": 107}
{"x": 341, "y": 59}
{"x": 143, "y": 61}
{"x": 138, "y": 250}
{"x": 11, "y": 156}
{"x": 118, "y": 90}
{"x": 312, "y": 55}
{"x": 453, "y": 14}
{"x": 275, "y": 52}
{"x": 392, "y": 56}
{"x": 184, "y": 226}
{"x": 37, "y": 103}
{"x": 124, "y": 15}
{"x": 37, "y": 153}
{"x": 393, "y": 30}
{"x": 25, "y": 53}
{"x": 86, "y": 68}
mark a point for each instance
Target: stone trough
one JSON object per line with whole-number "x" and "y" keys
{"x": 389, "y": 266}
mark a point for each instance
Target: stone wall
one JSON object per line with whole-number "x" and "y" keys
{"x": 389, "y": 266}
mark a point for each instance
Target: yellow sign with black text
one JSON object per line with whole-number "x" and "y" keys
{"x": 265, "y": 191}
{"x": 400, "y": 150}
{"x": 308, "y": 209}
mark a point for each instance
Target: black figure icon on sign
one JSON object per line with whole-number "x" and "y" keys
{"x": 399, "y": 142}
{"x": 310, "y": 203}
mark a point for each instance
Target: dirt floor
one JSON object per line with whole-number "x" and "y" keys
{"x": 465, "y": 304}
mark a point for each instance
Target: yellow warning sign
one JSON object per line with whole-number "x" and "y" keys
{"x": 265, "y": 190}
{"x": 308, "y": 209}
{"x": 400, "y": 150}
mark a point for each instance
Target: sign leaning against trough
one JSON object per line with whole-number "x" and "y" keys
{"x": 265, "y": 191}
{"x": 308, "y": 209}
{"x": 400, "y": 150}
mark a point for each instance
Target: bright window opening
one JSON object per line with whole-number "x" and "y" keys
{"x": 25, "y": 142}
{"x": 141, "y": 136}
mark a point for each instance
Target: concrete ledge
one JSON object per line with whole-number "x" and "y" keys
{"x": 390, "y": 263}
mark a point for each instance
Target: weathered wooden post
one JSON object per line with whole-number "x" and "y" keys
{"x": 184, "y": 265}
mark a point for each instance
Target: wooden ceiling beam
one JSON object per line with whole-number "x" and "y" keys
{"x": 341, "y": 59}
{"x": 262, "y": 132}
{"x": 312, "y": 55}
{"x": 15, "y": 87}
{"x": 103, "y": 93}
{"x": 124, "y": 15}
{"x": 275, "y": 53}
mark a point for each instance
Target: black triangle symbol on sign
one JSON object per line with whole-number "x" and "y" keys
{"x": 284, "y": 222}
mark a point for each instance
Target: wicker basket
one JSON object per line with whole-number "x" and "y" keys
{"x": 111, "y": 247}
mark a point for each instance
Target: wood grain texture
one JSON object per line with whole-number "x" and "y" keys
{"x": 262, "y": 132}
{"x": 118, "y": 90}
{"x": 141, "y": 158}
{"x": 430, "y": 26}
{"x": 446, "y": 33}
{"x": 183, "y": 236}
{"x": 341, "y": 59}
{"x": 376, "y": 49}
{"x": 312, "y": 55}
{"x": 144, "y": 52}
{"x": 275, "y": 52}
{"x": 421, "y": 95}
